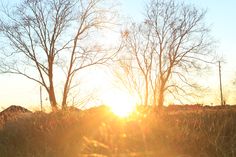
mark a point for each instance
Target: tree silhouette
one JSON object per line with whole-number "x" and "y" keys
{"x": 43, "y": 37}
{"x": 172, "y": 42}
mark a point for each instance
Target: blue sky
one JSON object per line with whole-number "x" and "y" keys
{"x": 220, "y": 16}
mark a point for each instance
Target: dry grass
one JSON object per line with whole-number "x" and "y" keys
{"x": 97, "y": 132}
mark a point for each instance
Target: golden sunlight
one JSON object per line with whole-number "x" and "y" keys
{"x": 121, "y": 103}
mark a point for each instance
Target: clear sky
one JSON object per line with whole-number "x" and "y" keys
{"x": 221, "y": 16}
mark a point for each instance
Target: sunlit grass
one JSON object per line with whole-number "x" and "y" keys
{"x": 98, "y": 132}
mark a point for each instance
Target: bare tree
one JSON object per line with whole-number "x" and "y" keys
{"x": 138, "y": 63}
{"x": 168, "y": 47}
{"x": 42, "y": 38}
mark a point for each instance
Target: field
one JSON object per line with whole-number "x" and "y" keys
{"x": 96, "y": 132}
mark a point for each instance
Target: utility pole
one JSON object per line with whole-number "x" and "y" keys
{"x": 41, "y": 100}
{"x": 221, "y": 93}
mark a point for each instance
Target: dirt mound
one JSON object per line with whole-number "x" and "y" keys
{"x": 11, "y": 113}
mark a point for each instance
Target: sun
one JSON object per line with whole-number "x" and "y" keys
{"x": 121, "y": 103}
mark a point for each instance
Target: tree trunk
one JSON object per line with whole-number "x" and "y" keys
{"x": 161, "y": 97}
{"x": 146, "y": 93}
{"x": 64, "y": 99}
{"x": 66, "y": 90}
{"x": 52, "y": 98}
{"x": 51, "y": 93}
{"x": 154, "y": 99}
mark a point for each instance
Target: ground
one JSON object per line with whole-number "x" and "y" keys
{"x": 187, "y": 131}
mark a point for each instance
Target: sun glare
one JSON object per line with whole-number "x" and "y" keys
{"x": 122, "y": 104}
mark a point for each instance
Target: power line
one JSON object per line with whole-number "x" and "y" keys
{"x": 221, "y": 93}
{"x": 41, "y": 100}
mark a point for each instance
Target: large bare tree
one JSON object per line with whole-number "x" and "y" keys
{"x": 166, "y": 49}
{"x": 44, "y": 38}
